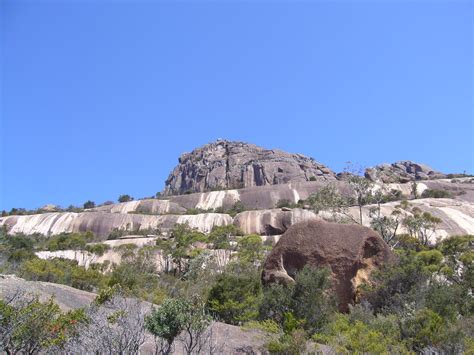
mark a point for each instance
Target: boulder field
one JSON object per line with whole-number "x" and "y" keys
{"x": 350, "y": 251}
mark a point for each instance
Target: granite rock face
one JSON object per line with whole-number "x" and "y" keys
{"x": 401, "y": 172}
{"x": 233, "y": 165}
{"x": 350, "y": 251}
{"x": 271, "y": 222}
{"x": 102, "y": 223}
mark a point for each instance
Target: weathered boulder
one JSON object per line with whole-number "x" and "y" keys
{"x": 351, "y": 252}
{"x": 271, "y": 222}
{"x": 232, "y": 165}
{"x": 402, "y": 171}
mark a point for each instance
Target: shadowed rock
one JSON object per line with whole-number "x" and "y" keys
{"x": 271, "y": 222}
{"x": 402, "y": 171}
{"x": 351, "y": 252}
{"x": 232, "y": 165}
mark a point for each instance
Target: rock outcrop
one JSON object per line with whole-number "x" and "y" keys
{"x": 401, "y": 172}
{"x": 351, "y": 252}
{"x": 457, "y": 216}
{"x": 146, "y": 206}
{"x": 66, "y": 297}
{"x": 271, "y": 222}
{"x": 456, "y": 213}
{"x": 232, "y": 165}
{"x": 102, "y": 223}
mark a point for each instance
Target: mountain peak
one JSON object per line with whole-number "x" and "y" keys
{"x": 225, "y": 164}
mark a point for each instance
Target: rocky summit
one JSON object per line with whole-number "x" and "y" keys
{"x": 233, "y": 165}
{"x": 401, "y": 172}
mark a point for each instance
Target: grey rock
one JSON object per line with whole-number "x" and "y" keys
{"x": 233, "y": 165}
{"x": 146, "y": 206}
{"x": 402, "y": 172}
{"x": 271, "y": 222}
{"x": 102, "y": 223}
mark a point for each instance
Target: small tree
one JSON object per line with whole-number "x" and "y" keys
{"x": 28, "y": 326}
{"x": 251, "y": 249}
{"x": 234, "y": 297}
{"x": 89, "y": 204}
{"x": 414, "y": 189}
{"x": 175, "y": 317}
{"x": 125, "y": 198}
{"x": 329, "y": 199}
{"x": 421, "y": 225}
{"x": 363, "y": 191}
{"x": 386, "y": 226}
{"x": 220, "y": 236}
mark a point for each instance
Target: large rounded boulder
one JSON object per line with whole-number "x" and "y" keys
{"x": 352, "y": 252}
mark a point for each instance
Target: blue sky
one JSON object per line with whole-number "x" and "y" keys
{"x": 99, "y": 98}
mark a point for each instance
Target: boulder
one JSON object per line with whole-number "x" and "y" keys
{"x": 233, "y": 165}
{"x": 402, "y": 172}
{"x": 351, "y": 252}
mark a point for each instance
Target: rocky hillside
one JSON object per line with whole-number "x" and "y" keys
{"x": 232, "y": 165}
{"x": 257, "y": 211}
{"x": 268, "y": 180}
{"x": 228, "y": 338}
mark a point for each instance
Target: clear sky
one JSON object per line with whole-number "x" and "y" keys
{"x": 99, "y": 98}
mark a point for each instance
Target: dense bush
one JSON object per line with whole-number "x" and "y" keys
{"x": 89, "y": 204}
{"x": 306, "y": 300}
{"x": 28, "y": 326}
{"x": 221, "y": 236}
{"x": 125, "y": 198}
{"x": 62, "y": 271}
{"x": 68, "y": 241}
{"x": 434, "y": 193}
{"x": 234, "y": 298}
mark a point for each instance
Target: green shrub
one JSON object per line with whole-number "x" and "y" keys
{"x": 69, "y": 241}
{"x": 268, "y": 326}
{"x": 293, "y": 343}
{"x": 97, "y": 248}
{"x": 125, "y": 198}
{"x": 234, "y": 298}
{"x": 220, "y": 236}
{"x": 61, "y": 271}
{"x": 284, "y": 203}
{"x": 29, "y": 326}
{"x": 306, "y": 303}
{"x": 434, "y": 193}
{"x": 89, "y": 204}
{"x": 356, "y": 336}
